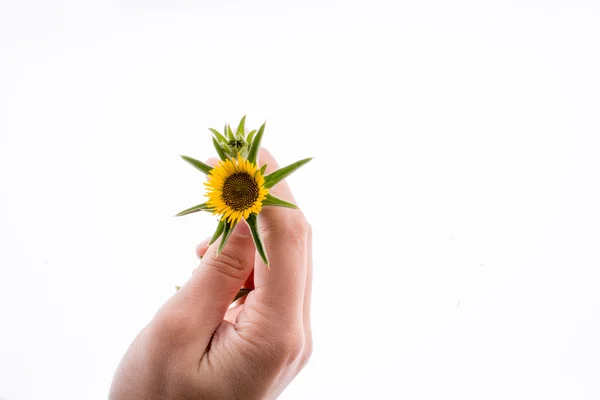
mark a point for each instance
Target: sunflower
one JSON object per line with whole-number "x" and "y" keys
{"x": 237, "y": 188}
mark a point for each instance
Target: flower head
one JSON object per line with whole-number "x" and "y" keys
{"x": 237, "y": 188}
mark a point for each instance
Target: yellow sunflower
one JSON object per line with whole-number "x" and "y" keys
{"x": 235, "y": 189}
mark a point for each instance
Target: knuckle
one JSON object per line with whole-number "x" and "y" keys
{"x": 230, "y": 263}
{"x": 306, "y": 353}
{"x": 294, "y": 227}
{"x": 286, "y": 347}
{"x": 298, "y": 224}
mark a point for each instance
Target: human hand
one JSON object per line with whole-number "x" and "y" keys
{"x": 196, "y": 347}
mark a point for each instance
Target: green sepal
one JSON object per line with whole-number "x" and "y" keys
{"x": 218, "y": 232}
{"x": 198, "y": 164}
{"x": 218, "y": 135}
{"x": 250, "y": 137}
{"x": 219, "y": 150}
{"x": 273, "y": 178}
{"x": 242, "y": 292}
{"x": 255, "y": 145}
{"x": 263, "y": 169}
{"x": 228, "y": 229}
{"x": 271, "y": 200}
{"x": 230, "y": 133}
{"x": 241, "y": 129}
{"x": 252, "y": 221}
{"x": 191, "y": 210}
{"x": 177, "y": 287}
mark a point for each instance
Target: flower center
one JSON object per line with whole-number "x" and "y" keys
{"x": 240, "y": 191}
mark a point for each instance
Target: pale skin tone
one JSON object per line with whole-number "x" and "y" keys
{"x": 196, "y": 347}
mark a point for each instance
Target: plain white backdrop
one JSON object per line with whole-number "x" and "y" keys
{"x": 454, "y": 195}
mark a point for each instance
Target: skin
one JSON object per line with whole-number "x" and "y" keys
{"x": 196, "y": 347}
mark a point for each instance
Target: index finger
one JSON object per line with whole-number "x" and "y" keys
{"x": 285, "y": 235}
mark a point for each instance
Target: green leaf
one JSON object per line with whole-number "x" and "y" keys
{"x": 263, "y": 169}
{"x": 252, "y": 221}
{"x": 230, "y": 133}
{"x": 255, "y": 145}
{"x": 225, "y": 133}
{"x": 198, "y": 164}
{"x": 228, "y": 229}
{"x": 273, "y": 178}
{"x": 218, "y": 232}
{"x": 271, "y": 200}
{"x": 218, "y": 135}
{"x": 219, "y": 150}
{"x": 191, "y": 210}
{"x": 241, "y": 129}
{"x": 243, "y": 292}
{"x": 250, "y": 137}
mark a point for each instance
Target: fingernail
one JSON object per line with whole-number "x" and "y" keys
{"x": 241, "y": 229}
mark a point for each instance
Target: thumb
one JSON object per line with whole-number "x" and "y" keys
{"x": 205, "y": 298}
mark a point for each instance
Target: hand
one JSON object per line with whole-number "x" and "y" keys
{"x": 197, "y": 348}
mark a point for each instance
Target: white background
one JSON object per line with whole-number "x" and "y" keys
{"x": 454, "y": 195}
